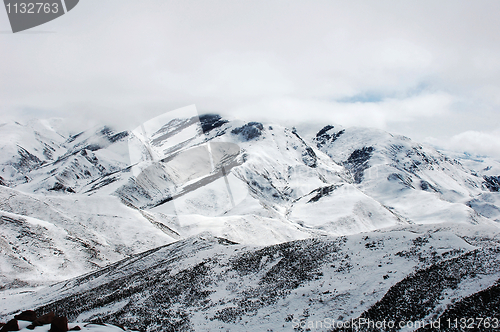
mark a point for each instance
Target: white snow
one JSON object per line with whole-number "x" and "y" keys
{"x": 155, "y": 188}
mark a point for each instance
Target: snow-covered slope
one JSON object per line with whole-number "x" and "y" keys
{"x": 37, "y": 157}
{"x": 212, "y": 224}
{"x": 416, "y": 182}
{"x": 50, "y": 238}
{"x": 206, "y": 284}
{"x": 24, "y": 148}
{"x": 487, "y": 203}
{"x": 252, "y": 183}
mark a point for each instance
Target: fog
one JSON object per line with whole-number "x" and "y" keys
{"x": 429, "y": 70}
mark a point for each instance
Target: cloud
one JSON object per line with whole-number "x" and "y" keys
{"x": 473, "y": 142}
{"x": 380, "y": 114}
{"x": 410, "y": 67}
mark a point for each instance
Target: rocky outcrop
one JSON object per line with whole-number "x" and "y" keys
{"x": 249, "y": 131}
{"x": 492, "y": 183}
{"x": 52, "y": 322}
{"x": 11, "y": 325}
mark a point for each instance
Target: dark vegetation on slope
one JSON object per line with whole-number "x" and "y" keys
{"x": 149, "y": 292}
{"x": 417, "y": 296}
{"x": 158, "y": 291}
{"x": 293, "y": 264}
{"x": 484, "y": 304}
{"x": 157, "y": 297}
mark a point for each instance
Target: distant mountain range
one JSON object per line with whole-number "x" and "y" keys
{"x": 199, "y": 223}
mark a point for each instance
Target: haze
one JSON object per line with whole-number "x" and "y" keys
{"x": 427, "y": 69}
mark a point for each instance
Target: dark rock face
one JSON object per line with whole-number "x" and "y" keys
{"x": 309, "y": 157}
{"x": 106, "y": 133}
{"x": 249, "y": 131}
{"x": 321, "y": 192}
{"x": 360, "y": 156}
{"x": 211, "y": 121}
{"x": 74, "y": 137}
{"x": 28, "y": 315}
{"x": 62, "y": 188}
{"x": 323, "y": 132}
{"x": 111, "y": 136}
{"x": 59, "y": 324}
{"x": 93, "y": 147}
{"x": 27, "y": 161}
{"x": 326, "y": 136}
{"x": 10, "y": 326}
{"x": 492, "y": 183}
{"x": 357, "y": 162}
{"x": 42, "y": 320}
{"x": 415, "y": 158}
{"x": 424, "y": 185}
{"x": 405, "y": 180}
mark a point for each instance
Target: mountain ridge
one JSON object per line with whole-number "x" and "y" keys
{"x": 102, "y": 199}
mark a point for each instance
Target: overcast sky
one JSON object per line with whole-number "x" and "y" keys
{"x": 427, "y": 69}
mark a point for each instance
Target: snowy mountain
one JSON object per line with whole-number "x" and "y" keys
{"x": 224, "y": 223}
{"x": 57, "y": 237}
{"x": 203, "y": 283}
